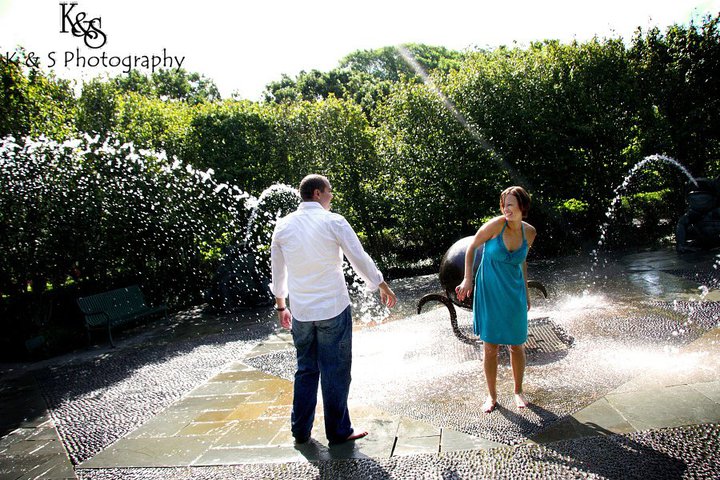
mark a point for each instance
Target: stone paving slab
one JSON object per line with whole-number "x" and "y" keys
{"x": 150, "y": 452}
{"x": 710, "y": 389}
{"x": 665, "y": 407}
{"x": 247, "y": 455}
{"x": 31, "y": 448}
{"x": 240, "y": 415}
{"x": 652, "y": 401}
{"x": 603, "y": 416}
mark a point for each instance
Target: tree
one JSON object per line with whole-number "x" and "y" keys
{"x": 152, "y": 123}
{"x": 151, "y": 111}
{"x": 364, "y": 76}
{"x": 237, "y": 140}
{"x": 108, "y": 213}
{"x": 333, "y": 138}
{"x": 135, "y": 82}
{"x": 440, "y": 181}
{"x": 32, "y": 102}
{"x": 388, "y": 64}
{"x": 98, "y": 107}
{"x": 178, "y": 84}
{"x": 678, "y": 83}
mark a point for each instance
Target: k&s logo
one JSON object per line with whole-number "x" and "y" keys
{"x": 78, "y": 24}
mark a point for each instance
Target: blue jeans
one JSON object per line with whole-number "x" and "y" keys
{"x": 324, "y": 353}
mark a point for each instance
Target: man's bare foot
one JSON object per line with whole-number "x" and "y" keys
{"x": 520, "y": 401}
{"x": 354, "y": 436}
{"x": 489, "y": 405}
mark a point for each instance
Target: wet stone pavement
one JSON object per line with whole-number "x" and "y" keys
{"x": 623, "y": 376}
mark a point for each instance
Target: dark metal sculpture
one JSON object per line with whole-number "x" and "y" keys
{"x": 452, "y": 271}
{"x": 699, "y": 227}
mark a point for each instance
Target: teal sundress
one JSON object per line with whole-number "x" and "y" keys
{"x": 500, "y": 301}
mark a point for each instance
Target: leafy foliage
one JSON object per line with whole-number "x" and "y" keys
{"x": 678, "y": 77}
{"x": 415, "y": 162}
{"x": 108, "y": 213}
{"x": 364, "y": 76}
{"x": 32, "y": 102}
{"x": 238, "y": 141}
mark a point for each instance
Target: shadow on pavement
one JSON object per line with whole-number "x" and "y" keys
{"x": 610, "y": 455}
{"x": 363, "y": 466}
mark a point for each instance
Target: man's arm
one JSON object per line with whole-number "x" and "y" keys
{"x": 284, "y": 315}
{"x": 362, "y": 263}
{"x": 278, "y": 285}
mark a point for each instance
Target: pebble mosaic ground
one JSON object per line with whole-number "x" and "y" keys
{"x": 413, "y": 366}
{"x": 688, "y": 452}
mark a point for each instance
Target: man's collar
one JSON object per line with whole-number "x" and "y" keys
{"x": 310, "y": 205}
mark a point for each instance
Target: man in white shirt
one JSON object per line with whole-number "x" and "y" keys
{"x": 307, "y": 254}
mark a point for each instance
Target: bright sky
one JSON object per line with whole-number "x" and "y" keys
{"x": 244, "y": 45}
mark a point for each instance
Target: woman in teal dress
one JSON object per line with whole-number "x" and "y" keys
{"x": 501, "y": 299}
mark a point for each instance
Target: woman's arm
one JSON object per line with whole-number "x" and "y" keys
{"x": 531, "y": 233}
{"x": 527, "y": 290}
{"x": 485, "y": 233}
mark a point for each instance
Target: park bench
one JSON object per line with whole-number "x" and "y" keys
{"x": 115, "y": 308}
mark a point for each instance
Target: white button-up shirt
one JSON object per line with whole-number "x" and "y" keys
{"x": 307, "y": 254}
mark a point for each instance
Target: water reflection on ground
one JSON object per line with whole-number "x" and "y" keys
{"x": 631, "y": 320}
{"x": 628, "y": 318}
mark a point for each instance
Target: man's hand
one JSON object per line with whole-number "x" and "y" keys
{"x": 285, "y": 318}
{"x": 387, "y": 296}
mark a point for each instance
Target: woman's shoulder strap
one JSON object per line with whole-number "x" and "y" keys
{"x": 504, "y": 224}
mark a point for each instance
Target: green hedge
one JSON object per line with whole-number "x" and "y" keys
{"x": 86, "y": 211}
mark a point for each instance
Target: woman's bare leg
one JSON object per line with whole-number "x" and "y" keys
{"x": 490, "y": 366}
{"x": 517, "y": 361}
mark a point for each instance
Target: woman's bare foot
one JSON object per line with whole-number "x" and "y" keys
{"x": 520, "y": 401}
{"x": 489, "y": 405}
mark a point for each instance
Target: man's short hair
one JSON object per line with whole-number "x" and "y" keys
{"x": 310, "y": 183}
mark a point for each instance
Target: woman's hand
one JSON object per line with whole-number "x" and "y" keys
{"x": 464, "y": 290}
